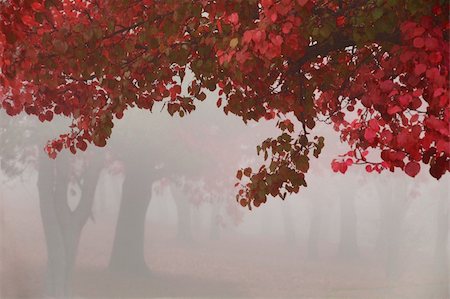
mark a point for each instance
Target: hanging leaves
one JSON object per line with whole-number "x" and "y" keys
{"x": 377, "y": 71}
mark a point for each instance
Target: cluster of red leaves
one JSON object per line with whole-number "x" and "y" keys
{"x": 403, "y": 110}
{"x": 384, "y": 89}
{"x": 376, "y": 70}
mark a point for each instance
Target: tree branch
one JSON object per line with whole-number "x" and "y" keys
{"x": 90, "y": 179}
{"x": 336, "y": 43}
{"x": 125, "y": 29}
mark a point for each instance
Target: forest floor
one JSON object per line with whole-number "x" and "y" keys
{"x": 233, "y": 266}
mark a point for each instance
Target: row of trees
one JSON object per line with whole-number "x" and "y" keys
{"x": 394, "y": 197}
{"x": 376, "y": 71}
{"x": 144, "y": 161}
{"x": 60, "y": 180}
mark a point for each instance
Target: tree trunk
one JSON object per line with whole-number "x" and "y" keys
{"x": 348, "y": 243}
{"x": 128, "y": 248}
{"x": 315, "y": 228}
{"x": 393, "y": 208}
{"x": 48, "y": 179}
{"x": 196, "y": 219}
{"x": 393, "y": 235}
{"x": 288, "y": 225}
{"x": 215, "y": 227}
{"x": 62, "y": 227}
{"x": 184, "y": 214}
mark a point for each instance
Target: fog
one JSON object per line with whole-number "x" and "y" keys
{"x": 154, "y": 215}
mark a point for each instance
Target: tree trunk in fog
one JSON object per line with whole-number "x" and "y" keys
{"x": 196, "y": 219}
{"x": 315, "y": 228}
{"x": 441, "y": 249}
{"x": 393, "y": 206}
{"x": 62, "y": 226}
{"x": 288, "y": 225}
{"x": 184, "y": 213}
{"x": 392, "y": 235}
{"x": 54, "y": 232}
{"x": 348, "y": 242}
{"x": 215, "y": 229}
{"x": 128, "y": 247}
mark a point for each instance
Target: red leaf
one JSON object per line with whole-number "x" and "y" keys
{"x": 343, "y": 167}
{"x": 435, "y": 57}
{"x": 234, "y": 18}
{"x": 386, "y": 135}
{"x": 82, "y": 145}
{"x": 248, "y": 35}
{"x": 258, "y": 36}
{"x": 174, "y": 91}
{"x": 36, "y": 6}
{"x": 418, "y": 42}
{"x": 219, "y": 26}
{"x": 335, "y": 166}
{"x": 394, "y": 109}
{"x": 287, "y": 27}
{"x": 387, "y": 85}
{"x": 277, "y": 40}
{"x": 273, "y": 17}
{"x": 405, "y": 100}
{"x": 266, "y": 3}
{"x": 414, "y": 118}
{"x": 369, "y": 134}
{"x": 420, "y": 69}
{"x": 49, "y": 115}
{"x": 340, "y": 21}
{"x": 28, "y": 20}
{"x": 412, "y": 168}
{"x": 438, "y": 92}
{"x": 269, "y": 115}
{"x": 373, "y": 124}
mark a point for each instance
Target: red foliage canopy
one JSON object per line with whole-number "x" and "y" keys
{"x": 376, "y": 70}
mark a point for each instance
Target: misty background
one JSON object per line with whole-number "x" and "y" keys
{"x": 154, "y": 215}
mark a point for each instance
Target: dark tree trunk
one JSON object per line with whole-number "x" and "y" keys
{"x": 62, "y": 226}
{"x": 52, "y": 186}
{"x": 348, "y": 242}
{"x": 128, "y": 248}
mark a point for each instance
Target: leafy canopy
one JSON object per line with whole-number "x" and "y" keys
{"x": 376, "y": 70}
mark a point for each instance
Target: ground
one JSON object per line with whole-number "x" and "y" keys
{"x": 241, "y": 263}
